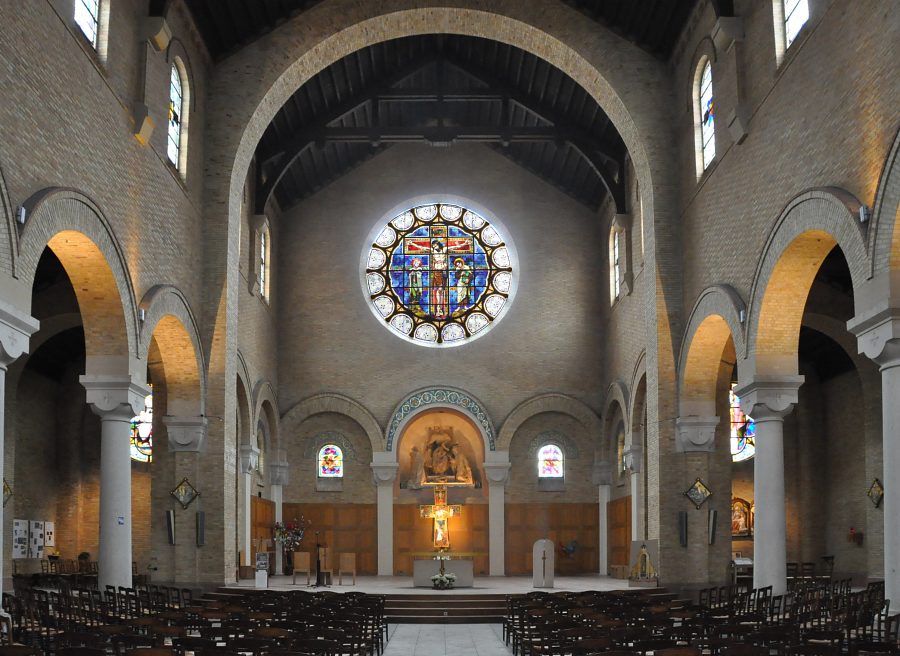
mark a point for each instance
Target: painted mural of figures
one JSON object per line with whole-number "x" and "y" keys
{"x": 465, "y": 278}
{"x": 440, "y": 303}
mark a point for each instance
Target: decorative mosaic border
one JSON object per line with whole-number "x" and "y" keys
{"x": 439, "y": 397}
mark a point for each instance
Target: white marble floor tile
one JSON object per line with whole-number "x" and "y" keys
{"x": 445, "y": 640}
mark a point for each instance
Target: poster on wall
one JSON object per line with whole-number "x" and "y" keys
{"x": 20, "y": 538}
{"x": 49, "y": 535}
{"x": 36, "y": 540}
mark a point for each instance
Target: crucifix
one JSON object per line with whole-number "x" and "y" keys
{"x": 441, "y": 513}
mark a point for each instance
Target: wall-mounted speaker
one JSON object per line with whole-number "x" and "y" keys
{"x": 682, "y": 528}
{"x": 713, "y": 522}
{"x": 201, "y": 528}
{"x": 170, "y": 525}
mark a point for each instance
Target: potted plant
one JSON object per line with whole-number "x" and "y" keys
{"x": 288, "y": 536}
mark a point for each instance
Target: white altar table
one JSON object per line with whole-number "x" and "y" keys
{"x": 423, "y": 570}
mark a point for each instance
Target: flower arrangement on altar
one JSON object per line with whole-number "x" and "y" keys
{"x": 443, "y": 580}
{"x": 290, "y": 534}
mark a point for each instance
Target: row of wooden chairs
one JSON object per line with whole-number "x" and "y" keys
{"x": 300, "y": 622}
{"x": 303, "y": 565}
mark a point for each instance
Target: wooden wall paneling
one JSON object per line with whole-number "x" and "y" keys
{"x": 561, "y": 522}
{"x": 619, "y": 517}
{"x": 262, "y": 521}
{"x": 343, "y": 527}
{"x": 412, "y": 534}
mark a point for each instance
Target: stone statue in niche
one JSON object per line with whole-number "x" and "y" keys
{"x": 445, "y": 461}
{"x": 440, "y": 458}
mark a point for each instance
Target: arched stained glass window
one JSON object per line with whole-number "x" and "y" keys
{"x": 142, "y": 432}
{"x": 707, "y": 115}
{"x": 796, "y": 13}
{"x": 331, "y": 461}
{"x": 615, "y": 265}
{"x": 439, "y": 275}
{"x": 87, "y": 17}
{"x": 176, "y": 110}
{"x": 743, "y": 430}
{"x": 550, "y": 462}
{"x": 620, "y": 450}
{"x": 264, "y": 247}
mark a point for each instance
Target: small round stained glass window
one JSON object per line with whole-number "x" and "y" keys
{"x": 439, "y": 275}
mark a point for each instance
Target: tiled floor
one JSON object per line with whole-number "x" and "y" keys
{"x": 445, "y": 640}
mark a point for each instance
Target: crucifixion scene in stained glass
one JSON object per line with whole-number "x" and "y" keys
{"x": 439, "y": 274}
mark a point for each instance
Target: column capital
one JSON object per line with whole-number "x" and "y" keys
{"x": 878, "y": 335}
{"x": 279, "y": 473}
{"x": 186, "y": 433}
{"x": 497, "y": 473}
{"x": 384, "y": 473}
{"x": 769, "y": 397}
{"x": 111, "y": 396}
{"x": 695, "y": 433}
{"x": 634, "y": 455}
{"x": 249, "y": 456}
{"x": 601, "y": 473}
{"x": 16, "y": 329}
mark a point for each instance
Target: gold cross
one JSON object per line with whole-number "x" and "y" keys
{"x": 440, "y": 513}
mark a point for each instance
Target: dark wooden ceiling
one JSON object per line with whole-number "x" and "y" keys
{"x": 440, "y": 90}
{"x": 228, "y": 25}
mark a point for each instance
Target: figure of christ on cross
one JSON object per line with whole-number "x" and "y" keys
{"x": 440, "y": 513}
{"x": 438, "y": 247}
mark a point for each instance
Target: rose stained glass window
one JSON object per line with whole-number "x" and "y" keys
{"x": 743, "y": 430}
{"x": 331, "y": 461}
{"x": 439, "y": 274}
{"x": 142, "y": 432}
{"x": 550, "y": 462}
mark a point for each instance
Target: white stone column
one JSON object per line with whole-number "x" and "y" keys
{"x": 769, "y": 400}
{"x": 115, "y": 399}
{"x": 496, "y": 469}
{"x": 186, "y": 439}
{"x": 16, "y": 329}
{"x": 384, "y": 471}
{"x": 249, "y": 456}
{"x": 278, "y": 478}
{"x": 877, "y": 328}
{"x": 634, "y": 456}
{"x": 602, "y": 476}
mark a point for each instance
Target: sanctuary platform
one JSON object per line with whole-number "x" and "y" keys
{"x": 481, "y": 585}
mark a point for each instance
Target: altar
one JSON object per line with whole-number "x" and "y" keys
{"x": 425, "y": 568}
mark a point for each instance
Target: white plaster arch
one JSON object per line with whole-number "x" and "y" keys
{"x": 561, "y": 403}
{"x": 433, "y": 398}
{"x": 716, "y": 316}
{"x": 337, "y": 403}
{"x": 884, "y": 237}
{"x": 58, "y": 216}
{"x": 810, "y": 225}
{"x": 163, "y": 305}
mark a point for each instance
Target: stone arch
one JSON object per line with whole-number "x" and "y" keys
{"x": 549, "y": 403}
{"x": 808, "y": 228}
{"x": 432, "y": 398}
{"x": 264, "y": 404}
{"x": 282, "y": 61}
{"x": 74, "y": 228}
{"x": 168, "y": 319}
{"x": 9, "y": 244}
{"x": 884, "y": 237}
{"x": 328, "y": 402}
{"x": 715, "y": 319}
{"x": 615, "y": 409}
{"x": 246, "y": 420}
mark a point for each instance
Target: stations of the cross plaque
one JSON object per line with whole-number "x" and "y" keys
{"x": 440, "y": 513}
